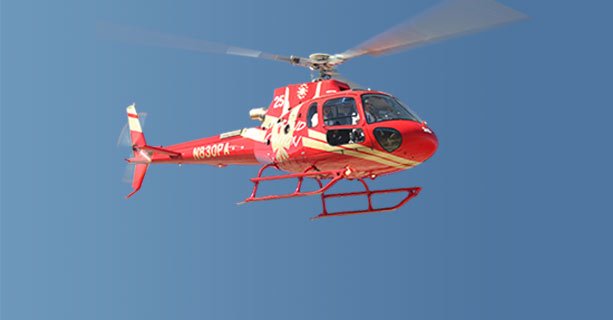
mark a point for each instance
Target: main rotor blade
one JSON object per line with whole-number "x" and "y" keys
{"x": 449, "y": 19}
{"x": 159, "y": 39}
{"x": 352, "y": 84}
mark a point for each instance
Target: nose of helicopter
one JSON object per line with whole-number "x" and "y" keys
{"x": 420, "y": 142}
{"x": 409, "y": 139}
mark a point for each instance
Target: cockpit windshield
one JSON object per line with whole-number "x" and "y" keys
{"x": 379, "y": 107}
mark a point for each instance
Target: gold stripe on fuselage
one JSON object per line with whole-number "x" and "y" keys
{"x": 322, "y": 137}
{"x": 319, "y": 145}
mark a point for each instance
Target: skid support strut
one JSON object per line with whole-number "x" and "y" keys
{"x": 337, "y": 176}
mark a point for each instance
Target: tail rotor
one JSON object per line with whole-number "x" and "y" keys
{"x": 132, "y": 136}
{"x": 125, "y": 141}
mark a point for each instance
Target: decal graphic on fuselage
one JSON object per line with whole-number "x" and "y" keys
{"x": 282, "y": 134}
{"x": 302, "y": 91}
{"x": 279, "y": 101}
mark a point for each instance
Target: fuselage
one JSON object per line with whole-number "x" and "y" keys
{"x": 321, "y": 126}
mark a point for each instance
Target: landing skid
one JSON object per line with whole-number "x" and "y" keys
{"x": 410, "y": 194}
{"x": 337, "y": 176}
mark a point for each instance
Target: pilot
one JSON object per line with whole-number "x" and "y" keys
{"x": 328, "y": 116}
{"x": 369, "y": 111}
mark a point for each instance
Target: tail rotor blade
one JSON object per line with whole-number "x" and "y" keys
{"x": 124, "y": 139}
{"x": 129, "y": 173}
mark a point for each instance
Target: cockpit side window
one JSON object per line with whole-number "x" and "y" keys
{"x": 379, "y": 107}
{"x": 312, "y": 116}
{"x": 340, "y": 112}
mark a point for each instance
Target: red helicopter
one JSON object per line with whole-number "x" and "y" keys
{"x": 325, "y": 129}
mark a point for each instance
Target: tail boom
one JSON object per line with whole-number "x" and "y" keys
{"x": 232, "y": 148}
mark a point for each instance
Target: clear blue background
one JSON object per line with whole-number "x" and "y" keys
{"x": 514, "y": 221}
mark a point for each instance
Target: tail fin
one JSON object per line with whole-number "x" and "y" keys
{"x": 136, "y": 131}
{"x": 143, "y": 153}
{"x": 138, "y": 140}
{"x": 139, "y": 176}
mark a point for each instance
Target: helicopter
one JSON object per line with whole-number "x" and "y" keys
{"x": 327, "y": 129}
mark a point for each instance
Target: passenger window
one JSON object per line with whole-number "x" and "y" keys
{"x": 340, "y": 112}
{"x": 312, "y": 116}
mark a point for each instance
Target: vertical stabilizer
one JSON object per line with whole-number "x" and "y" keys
{"x": 136, "y": 131}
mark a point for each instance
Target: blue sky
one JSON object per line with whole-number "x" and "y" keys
{"x": 513, "y": 222}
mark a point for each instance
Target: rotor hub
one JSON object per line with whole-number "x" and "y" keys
{"x": 324, "y": 63}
